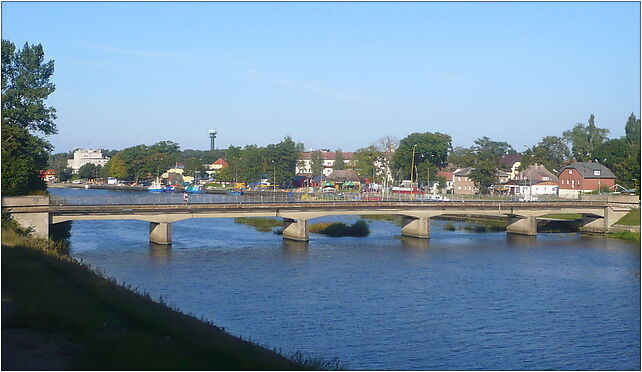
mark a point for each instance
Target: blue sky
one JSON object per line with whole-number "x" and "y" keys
{"x": 331, "y": 75}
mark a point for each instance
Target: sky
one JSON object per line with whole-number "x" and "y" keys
{"x": 331, "y": 75}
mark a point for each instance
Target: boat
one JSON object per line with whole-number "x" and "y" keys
{"x": 156, "y": 186}
{"x": 170, "y": 188}
{"x": 235, "y": 192}
{"x": 196, "y": 189}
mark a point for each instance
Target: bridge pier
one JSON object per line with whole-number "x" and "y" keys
{"x": 38, "y": 219}
{"x": 160, "y": 232}
{"x": 602, "y": 225}
{"x": 522, "y": 225}
{"x": 415, "y": 227}
{"x": 295, "y": 229}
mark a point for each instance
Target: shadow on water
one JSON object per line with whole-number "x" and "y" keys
{"x": 521, "y": 241}
{"x": 295, "y": 249}
{"x": 160, "y": 253}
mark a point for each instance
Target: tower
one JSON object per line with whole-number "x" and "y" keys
{"x": 212, "y": 133}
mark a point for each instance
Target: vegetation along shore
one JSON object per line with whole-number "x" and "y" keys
{"x": 87, "y": 321}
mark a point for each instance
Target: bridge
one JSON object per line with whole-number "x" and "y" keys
{"x": 39, "y": 213}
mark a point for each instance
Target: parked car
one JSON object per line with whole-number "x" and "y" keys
{"x": 329, "y": 189}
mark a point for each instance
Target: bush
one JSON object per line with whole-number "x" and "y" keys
{"x": 338, "y": 229}
{"x": 450, "y": 226}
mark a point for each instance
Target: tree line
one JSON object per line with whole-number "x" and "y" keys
{"x": 26, "y": 119}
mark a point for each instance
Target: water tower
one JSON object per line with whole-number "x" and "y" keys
{"x": 212, "y": 133}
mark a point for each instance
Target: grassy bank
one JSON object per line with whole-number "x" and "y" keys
{"x": 116, "y": 328}
{"x": 629, "y": 236}
{"x": 564, "y": 216}
{"x": 630, "y": 219}
{"x": 338, "y": 229}
{"x": 260, "y": 224}
{"x": 382, "y": 217}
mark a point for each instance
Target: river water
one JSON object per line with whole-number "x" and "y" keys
{"x": 460, "y": 300}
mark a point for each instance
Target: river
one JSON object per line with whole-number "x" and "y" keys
{"x": 460, "y": 300}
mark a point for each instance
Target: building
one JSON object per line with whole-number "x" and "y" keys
{"x": 510, "y": 163}
{"x": 530, "y": 190}
{"x": 581, "y": 177}
{"x": 344, "y": 178}
{"x": 86, "y": 156}
{"x": 536, "y": 173}
{"x": 462, "y": 184}
{"x": 449, "y": 180}
{"x": 304, "y": 165}
{"x": 48, "y": 175}
{"x": 218, "y": 164}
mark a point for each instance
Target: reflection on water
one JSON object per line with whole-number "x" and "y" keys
{"x": 460, "y": 300}
{"x": 521, "y": 241}
{"x": 160, "y": 253}
{"x": 408, "y": 242}
{"x": 295, "y": 248}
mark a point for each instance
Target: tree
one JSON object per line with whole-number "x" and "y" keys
{"x": 282, "y": 158}
{"x": 462, "y": 157}
{"x": 485, "y": 156}
{"x": 25, "y": 87}
{"x": 585, "y": 140}
{"x": 23, "y": 156}
{"x": 117, "y": 167}
{"x": 551, "y": 152}
{"x": 194, "y": 168}
{"x": 387, "y": 145}
{"x": 622, "y": 155}
{"x": 339, "y": 161}
{"x": 365, "y": 162}
{"x": 316, "y": 163}
{"x": 87, "y": 171}
{"x": 431, "y": 151}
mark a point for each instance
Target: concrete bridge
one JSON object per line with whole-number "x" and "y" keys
{"x": 36, "y": 211}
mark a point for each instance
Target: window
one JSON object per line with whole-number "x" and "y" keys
{"x": 545, "y": 178}
{"x": 596, "y": 172}
{"x": 570, "y": 171}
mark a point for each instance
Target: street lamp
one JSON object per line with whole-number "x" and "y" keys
{"x": 412, "y": 164}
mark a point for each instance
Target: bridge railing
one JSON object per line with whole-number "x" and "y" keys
{"x": 281, "y": 198}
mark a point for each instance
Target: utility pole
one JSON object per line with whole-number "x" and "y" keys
{"x": 412, "y": 164}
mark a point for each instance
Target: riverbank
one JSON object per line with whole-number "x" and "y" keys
{"x": 99, "y": 324}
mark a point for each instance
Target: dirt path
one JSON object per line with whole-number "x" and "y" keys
{"x": 24, "y": 349}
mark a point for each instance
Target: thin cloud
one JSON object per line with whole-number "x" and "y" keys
{"x": 258, "y": 75}
{"x": 143, "y": 53}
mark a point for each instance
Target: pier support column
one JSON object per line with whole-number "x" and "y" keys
{"x": 415, "y": 227}
{"x": 37, "y": 218}
{"x": 522, "y": 225}
{"x": 160, "y": 232}
{"x": 295, "y": 230}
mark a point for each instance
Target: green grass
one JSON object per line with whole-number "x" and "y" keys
{"x": 117, "y": 328}
{"x": 564, "y": 216}
{"x": 259, "y": 223}
{"x": 629, "y": 236}
{"x": 339, "y": 229}
{"x": 382, "y": 217}
{"x": 631, "y": 219}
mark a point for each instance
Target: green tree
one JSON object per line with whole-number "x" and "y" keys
{"x": 462, "y": 157}
{"x": 339, "y": 161}
{"x": 25, "y": 87}
{"x": 487, "y": 154}
{"x": 88, "y": 171}
{"x": 283, "y": 158}
{"x": 431, "y": 151}
{"x": 117, "y": 168}
{"x": 365, "y": 162}
{"x": 585, "y": 140}
{"x": 551, "y": 152}
{"x": 316, "y": 163}
{"x": 622, "y": 155}
{"x": 194, "y": 168}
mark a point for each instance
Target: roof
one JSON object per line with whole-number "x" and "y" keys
{"x": 445, "y": 174}
{"x": 547, "y": 183}
{"x": 537, "y": 172}
{"x": 509, "y": 160}
{"x": 343, "y": 175}
{"x": 220, "y": 161}
{"x": 463, "y": 171}
{"x": 325, "y": 155}
{"x": 586, "y": 169}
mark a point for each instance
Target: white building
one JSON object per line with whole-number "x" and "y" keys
{"x": 304, "y": 165}
{"x": 86, "y": 156}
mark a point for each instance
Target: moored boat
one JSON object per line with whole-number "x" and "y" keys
{"x": 156, "y": 186}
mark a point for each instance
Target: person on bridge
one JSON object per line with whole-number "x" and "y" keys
{"x": 185, "y": 197}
